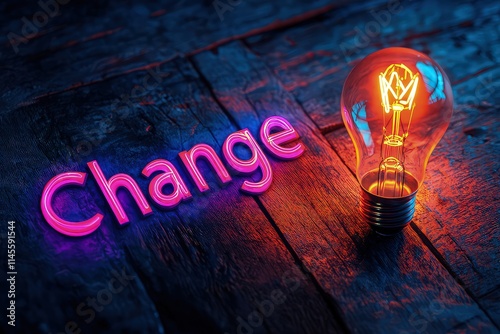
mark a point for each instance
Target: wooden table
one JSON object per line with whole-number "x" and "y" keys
{"x": 126, "y": 83}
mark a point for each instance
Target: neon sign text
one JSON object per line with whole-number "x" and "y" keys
{"x": 167, "y": 175}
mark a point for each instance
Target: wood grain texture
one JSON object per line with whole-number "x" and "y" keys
{"x": 56, "y": 273}
{"x": 126, "y": 83}
{"x": 88, "y": 42}
{"x": 464, "y": 39}
{"x": 313, "y": 60}
{"x": 313, "y": 201}
{"x": 199, "y": 268}
{"x": 458, "y": 204}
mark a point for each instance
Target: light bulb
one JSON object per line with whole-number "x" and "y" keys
{"x": 396, "y": 105}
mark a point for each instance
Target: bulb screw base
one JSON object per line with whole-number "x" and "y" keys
{"x": 387, "y": 216}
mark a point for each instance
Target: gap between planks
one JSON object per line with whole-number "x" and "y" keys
{"x": 274, "y": 26}
{"x": 425, "y": 240}
{"x": 330, "y": 302}
{"x": 333, "y": 128}
{"x": 330, "y": 129}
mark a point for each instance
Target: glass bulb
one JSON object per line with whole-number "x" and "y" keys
{"x": 396, "y": 105}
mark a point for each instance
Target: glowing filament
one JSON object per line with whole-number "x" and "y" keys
{"x": 398, "y": 86}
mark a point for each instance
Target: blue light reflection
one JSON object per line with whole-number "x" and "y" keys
{"x": 359, "y": 118}
{"x": 433, "y": 80}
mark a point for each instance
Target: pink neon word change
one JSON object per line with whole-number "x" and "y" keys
{"x": 274, "y": 132}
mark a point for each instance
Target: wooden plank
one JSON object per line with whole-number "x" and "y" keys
{"x": 466, "y": 45}
{"x": 379, "y": 284}
{"x": 199, "y": 268}
{"x": 458, "y": 203}
{"x": 313, "y": 60}
{"x": 88, "y": 42}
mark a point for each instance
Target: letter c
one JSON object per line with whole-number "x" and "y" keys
{"x": 74, "y": 229}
